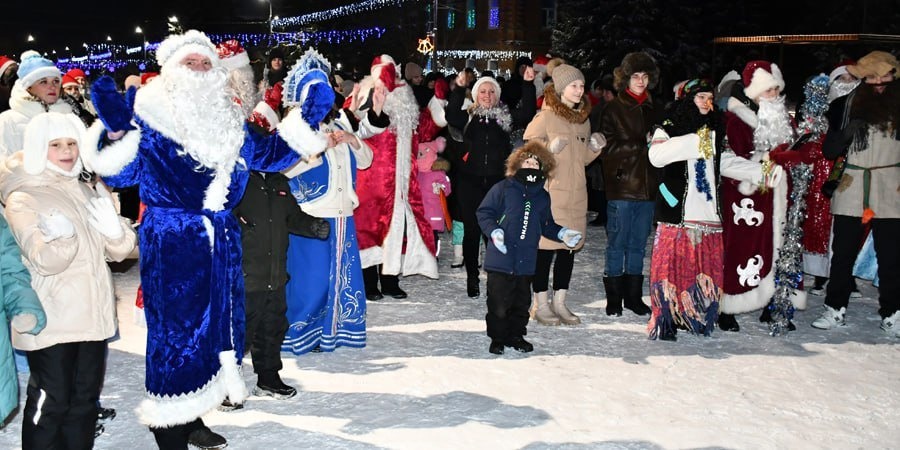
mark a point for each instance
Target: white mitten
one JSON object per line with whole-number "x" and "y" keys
{"x": 104, "y": 217}
{"x": 55, "y": 225}
{"x": 497, "y": 239}
{"x": 558, "y": 144}
{"x": 23, "y": 323}
{"x": 597, "y": 142}
{"x": 569, "y": 237}
{"x": 437, "y": 188}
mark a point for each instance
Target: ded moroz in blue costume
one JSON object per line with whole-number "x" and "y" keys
{"x": 190, "y": 152}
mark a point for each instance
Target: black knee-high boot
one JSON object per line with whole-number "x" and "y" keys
{"x": 390, "y": 286}
{"x": 370, "y": 279}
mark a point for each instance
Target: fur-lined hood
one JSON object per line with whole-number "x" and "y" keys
{"x": 553, "y": 102}
{"x": 532, "y": 148}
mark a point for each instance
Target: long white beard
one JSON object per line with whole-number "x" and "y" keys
{"x": 241, "y": 82}
{"x": 774, "y": 126}
{"x": 208, "y": 123}
{"x": 841, "y": 88}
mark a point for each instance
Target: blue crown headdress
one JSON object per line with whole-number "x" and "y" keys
{"x": 307, "y": 86}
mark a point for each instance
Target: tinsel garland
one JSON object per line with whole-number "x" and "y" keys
{"x": 813, "y": 110}
{"x": 706, "y": 151}
{"x": 789, "y": 267}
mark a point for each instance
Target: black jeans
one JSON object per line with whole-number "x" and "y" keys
{"x": 470, "y": 193}
{"x": 266, "y": 324}
{"x": 562, "y": 270}
{"x": 848, "y": 238}
{"x": 63, "y": 389}
{"x": 508, "y": 300}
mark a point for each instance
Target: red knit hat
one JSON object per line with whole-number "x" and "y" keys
{"x": 5, "y": 63}
{"x": 76, "y": 74}
{"x": 68, "y": 80}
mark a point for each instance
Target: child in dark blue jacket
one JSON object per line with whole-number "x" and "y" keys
{"x": 515, "y": 214}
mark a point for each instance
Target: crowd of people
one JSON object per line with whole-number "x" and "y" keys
{"x": 301, "y": 196}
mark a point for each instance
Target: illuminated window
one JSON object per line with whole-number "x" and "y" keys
{"x": 451, "y": 20}
{"x": 470, "y": 14}
{"x": 494, "y": 15}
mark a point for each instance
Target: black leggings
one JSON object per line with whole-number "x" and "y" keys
{"x": 562, "y": 271}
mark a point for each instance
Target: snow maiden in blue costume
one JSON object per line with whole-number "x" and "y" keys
{"x": 191, "y": 154}
{"x": 325, "y": 295}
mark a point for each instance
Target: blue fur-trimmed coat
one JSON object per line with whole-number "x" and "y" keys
{"x": 190, "y": 253}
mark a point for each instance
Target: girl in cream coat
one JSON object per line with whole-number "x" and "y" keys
{"x": 67, "y": 232}
{"x": 564, "y": 126}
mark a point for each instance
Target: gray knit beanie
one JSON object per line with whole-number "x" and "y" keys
{"x": 563, "y": 75}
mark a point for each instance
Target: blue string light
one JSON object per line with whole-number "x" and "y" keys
{"x": 334, "y": 13}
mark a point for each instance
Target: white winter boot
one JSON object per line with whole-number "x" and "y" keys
{"x": 457, "y": 257}
{"x": 542, "y": 312}
{"x": 830, "y": 318}
{"x": 891, "y": 324}
{"x": 559, "y": 307}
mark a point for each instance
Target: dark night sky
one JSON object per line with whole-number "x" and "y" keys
{"x": 56, "y": 23}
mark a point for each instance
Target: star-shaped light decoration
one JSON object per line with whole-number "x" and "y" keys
{"x": 425, "y": 46}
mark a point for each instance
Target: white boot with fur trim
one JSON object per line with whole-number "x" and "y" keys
{"x": 542, "y": 312}
{"x": 558, "y": 306}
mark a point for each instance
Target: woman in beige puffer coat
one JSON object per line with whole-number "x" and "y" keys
{"x": 66, "y": 232}
{"x": 563, "y": 125}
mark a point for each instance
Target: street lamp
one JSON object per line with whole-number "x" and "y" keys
{"x": 139, "y": 31}
{"x": 270, "y": 15}
{"x": 30, "y": 38}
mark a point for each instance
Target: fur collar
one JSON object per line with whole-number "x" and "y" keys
{"x": 553, "y": 102}
{"x": 24, "y": 103}
{"x": 743, "y": 111}
{"x": 153, "y": 106}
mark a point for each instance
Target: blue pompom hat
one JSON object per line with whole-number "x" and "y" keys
{"x": 34, "y": 67}
{"x": 307, "y": 86}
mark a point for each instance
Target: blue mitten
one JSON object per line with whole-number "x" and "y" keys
{"x": 497, "y": 239}
{"x": 569, "y": 237}
{"x": 113, "y": 110}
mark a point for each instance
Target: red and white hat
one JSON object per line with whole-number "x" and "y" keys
{"x": 5, "y": 63}
{"x": 232, "y": 55}
{"x": 760, "y": 76}
{"x": 540, "y": 63}
{"x": 385, "y": 69}
{"x": 68, "y": 80}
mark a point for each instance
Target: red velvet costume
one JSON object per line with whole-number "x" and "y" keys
{"x": 390, "y": 220}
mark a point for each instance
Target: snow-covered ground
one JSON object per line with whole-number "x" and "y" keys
{"x": 426, "y": 380}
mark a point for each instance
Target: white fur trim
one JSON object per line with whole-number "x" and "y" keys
{"x": 741, "y": 110}
{"x": 157, "y": 411}
{"x": 436, "y": 107}
{"x": 730, "y": 76}
{"x": 300, "y": 136}
{"x": 113, "y": 158}
{"x": 217, "y": 192}
{"x": 176, "y": 46}
{"x": 266, "y": 111}
{"x": 371, "y": 256}
{"x": 747, "y": 188}
{"x": 152, "y": 105}
{"x": 762, "y": 81}
{"x": 235, "y": 62}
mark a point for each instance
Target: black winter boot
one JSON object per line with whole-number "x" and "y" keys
{"x": 370, "y": 279}
{"x": 634, "y": 291}
{"x": 390, "y": 286}
{"x": 614, "y": 289}
{"x": 171, "y": 438}
{"x": 727, "y": 322}
{"x": 269, "y": 384}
